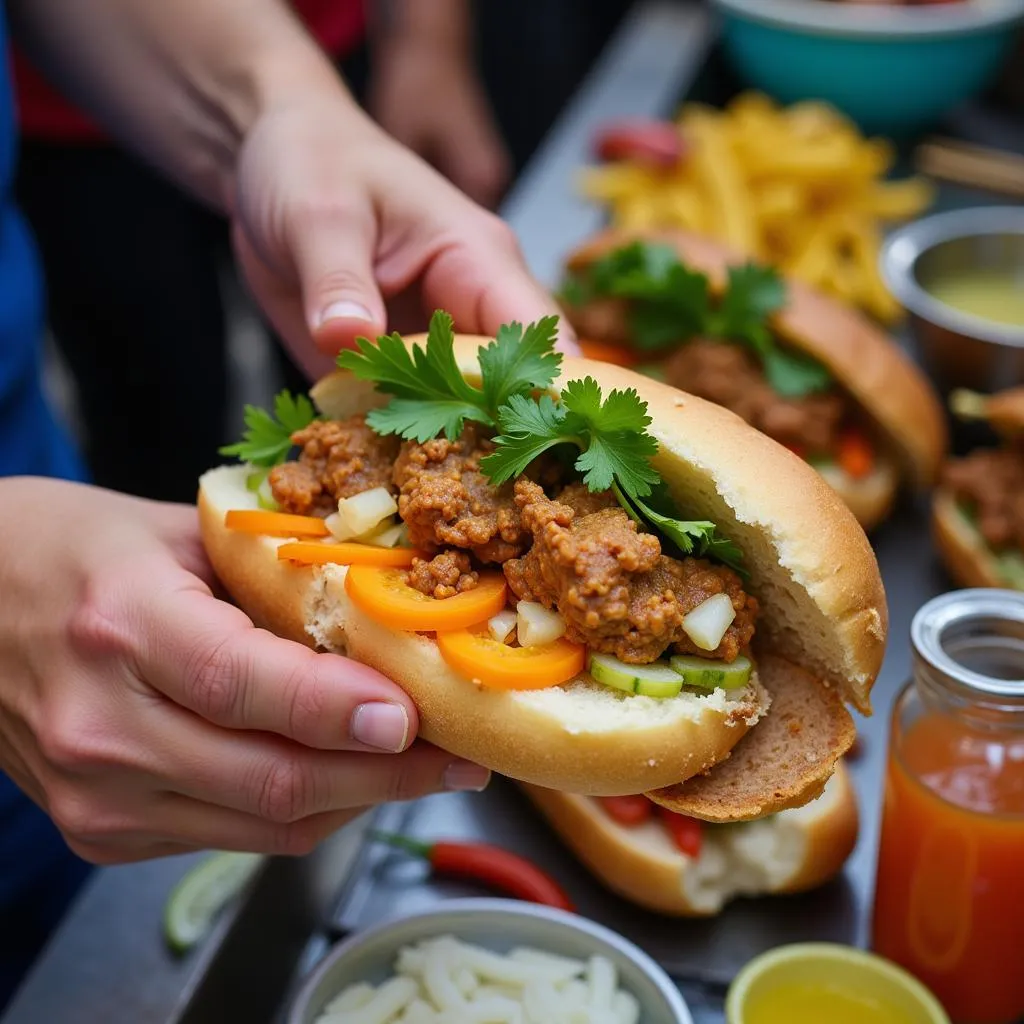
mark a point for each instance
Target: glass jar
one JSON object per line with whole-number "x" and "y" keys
{"x": 949, "y": 898}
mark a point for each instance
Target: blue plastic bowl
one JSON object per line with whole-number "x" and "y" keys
{"x": 893, "y": 70}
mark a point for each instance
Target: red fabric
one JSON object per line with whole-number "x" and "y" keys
{"x": 338, "y": 25}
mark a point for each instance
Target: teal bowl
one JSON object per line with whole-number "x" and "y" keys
{"x": 893, "y": 70}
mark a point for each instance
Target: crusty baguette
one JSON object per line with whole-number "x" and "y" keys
{"x": 968, "y": 558}
{"x": 793, "y": 851}
{"x": 861, "y": 357}
{"x": 810, "y": 562}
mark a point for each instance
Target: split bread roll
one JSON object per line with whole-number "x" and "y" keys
{"x": 964, "y": 551}
{"x": 823, "y": 608}
{"x": 861, "y": 357}
{"x": 793, "y": 851}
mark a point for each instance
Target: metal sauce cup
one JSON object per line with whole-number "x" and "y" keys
{"x": 497, "y": 925}
{"x": 959, "y": 350}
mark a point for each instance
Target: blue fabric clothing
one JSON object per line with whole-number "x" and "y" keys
{"x": 38, "y": 873}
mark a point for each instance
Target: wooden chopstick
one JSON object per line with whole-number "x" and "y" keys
{"x": 966, "y": 164}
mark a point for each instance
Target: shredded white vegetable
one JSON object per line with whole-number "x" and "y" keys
{"x": 446, "y": 981}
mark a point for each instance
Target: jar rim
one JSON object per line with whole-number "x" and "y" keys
{"x": 937, "y": 620}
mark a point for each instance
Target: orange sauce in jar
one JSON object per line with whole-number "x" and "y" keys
{"x": 949, "y": 902}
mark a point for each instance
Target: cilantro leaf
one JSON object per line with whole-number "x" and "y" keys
{"x": 698, "y": 537}
{"x": 576, "y": 290}
{"x": 423, "y": 421}
{"x": 430, "y": 394}
{"x": 528, "y": 429}
{"x": 754, "y": 293}
{"x": 267, "y": 439}
{"x": 611, "y": 435}
{"x": 669, "y": 304}
{"x": 622, "y": 410}
{"x": 519, "y": 361}
{"x": 422, "y": 374}
{"x": 793, "y": 374}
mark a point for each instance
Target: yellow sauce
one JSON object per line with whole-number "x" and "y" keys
{"x": 815, "y": 1003}
{"x": 996, "y": 295}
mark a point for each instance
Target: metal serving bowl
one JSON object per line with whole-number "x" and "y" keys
{"x": 960, "y": 350}
{"x": 498, "y": 925}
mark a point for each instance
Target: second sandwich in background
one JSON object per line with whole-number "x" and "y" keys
{"x": 811, "y": 373}
{"x": 682, "y": 867}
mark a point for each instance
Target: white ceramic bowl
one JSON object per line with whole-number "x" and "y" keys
{"x": 498, "y": 925}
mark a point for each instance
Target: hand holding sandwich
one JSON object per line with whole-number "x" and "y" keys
{"x": 144, "y": 714}
{"x": 148, "y": 717}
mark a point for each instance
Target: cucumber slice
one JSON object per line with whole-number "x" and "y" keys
{"x": 710, "y": 675}
{"x": 654, "y": 680}
{"x": 200, "y": 896}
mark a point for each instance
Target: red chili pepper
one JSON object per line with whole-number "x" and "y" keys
{"x": 627, "y": 810}
{"x": 686, "y": 832}
{"x": 798, "y": 449}
{"x": 495, "y": 867}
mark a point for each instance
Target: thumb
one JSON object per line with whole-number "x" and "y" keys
{"x": 334, "y": 260}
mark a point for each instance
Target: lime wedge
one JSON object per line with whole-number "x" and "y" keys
{"x": 200, "y": 896}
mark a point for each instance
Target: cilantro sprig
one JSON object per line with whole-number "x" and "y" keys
{"x": 615, "y": 449}
{"x": 430, "y": 395}
{"x": 267, "y": 439}
{"x": 669, "y": 304}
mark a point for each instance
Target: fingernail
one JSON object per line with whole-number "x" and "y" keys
{"x": 464, "y": 775}
{"x": 382, "y": 725}
{"x": 345, "y": 311}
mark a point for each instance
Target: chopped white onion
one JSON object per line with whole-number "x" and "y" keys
{"x": 707, "y": 623}
{"x": 391, "y": 535}
{"x": 362, "y": 512}
{"x": 500, "y": 627}
{"x": 537, "y": 625}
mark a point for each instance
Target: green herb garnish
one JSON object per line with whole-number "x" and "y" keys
{"x": 268, "y": 438}
{"x": 430, "y": 397}
{"x": 669, "y": 304}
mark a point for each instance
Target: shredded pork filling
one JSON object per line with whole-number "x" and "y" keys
{"x": 580, "y": 554}
{"x": 730, "y": 376}
{"x": 990, "y": 483}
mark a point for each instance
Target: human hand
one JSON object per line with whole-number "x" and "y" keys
{"x": 341, "y": 232}
{"x": 430, "y": 99}
{"x": 148, "y": 717}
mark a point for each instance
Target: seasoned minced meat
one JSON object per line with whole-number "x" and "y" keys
{"x": 728, "y": 375}
{"x": 446, "y": 501}
{"x": 991, "y": 483}
{"x": 617, "y": 592}
{"x": 444, "y": 575}
{"x": 339, "y": 458}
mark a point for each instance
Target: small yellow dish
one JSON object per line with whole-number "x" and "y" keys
{"x": 822, "y": 983}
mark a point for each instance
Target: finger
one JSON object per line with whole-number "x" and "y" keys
{"x": 207, "y": 656}
{"x": 481, "y": 279}
{"x": 284, "y": 782}
{"x": 333, "y": 249}
{"x": 281, "y": 303}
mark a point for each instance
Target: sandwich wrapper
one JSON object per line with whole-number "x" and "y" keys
{"x": 706, "y": 950}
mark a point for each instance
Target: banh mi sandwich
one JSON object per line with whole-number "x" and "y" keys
{"x": 681, "y": 866}
{"x": 978, "y": 507}
{"x": 812, "y": 373}
{"x": 578, "y": 574}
